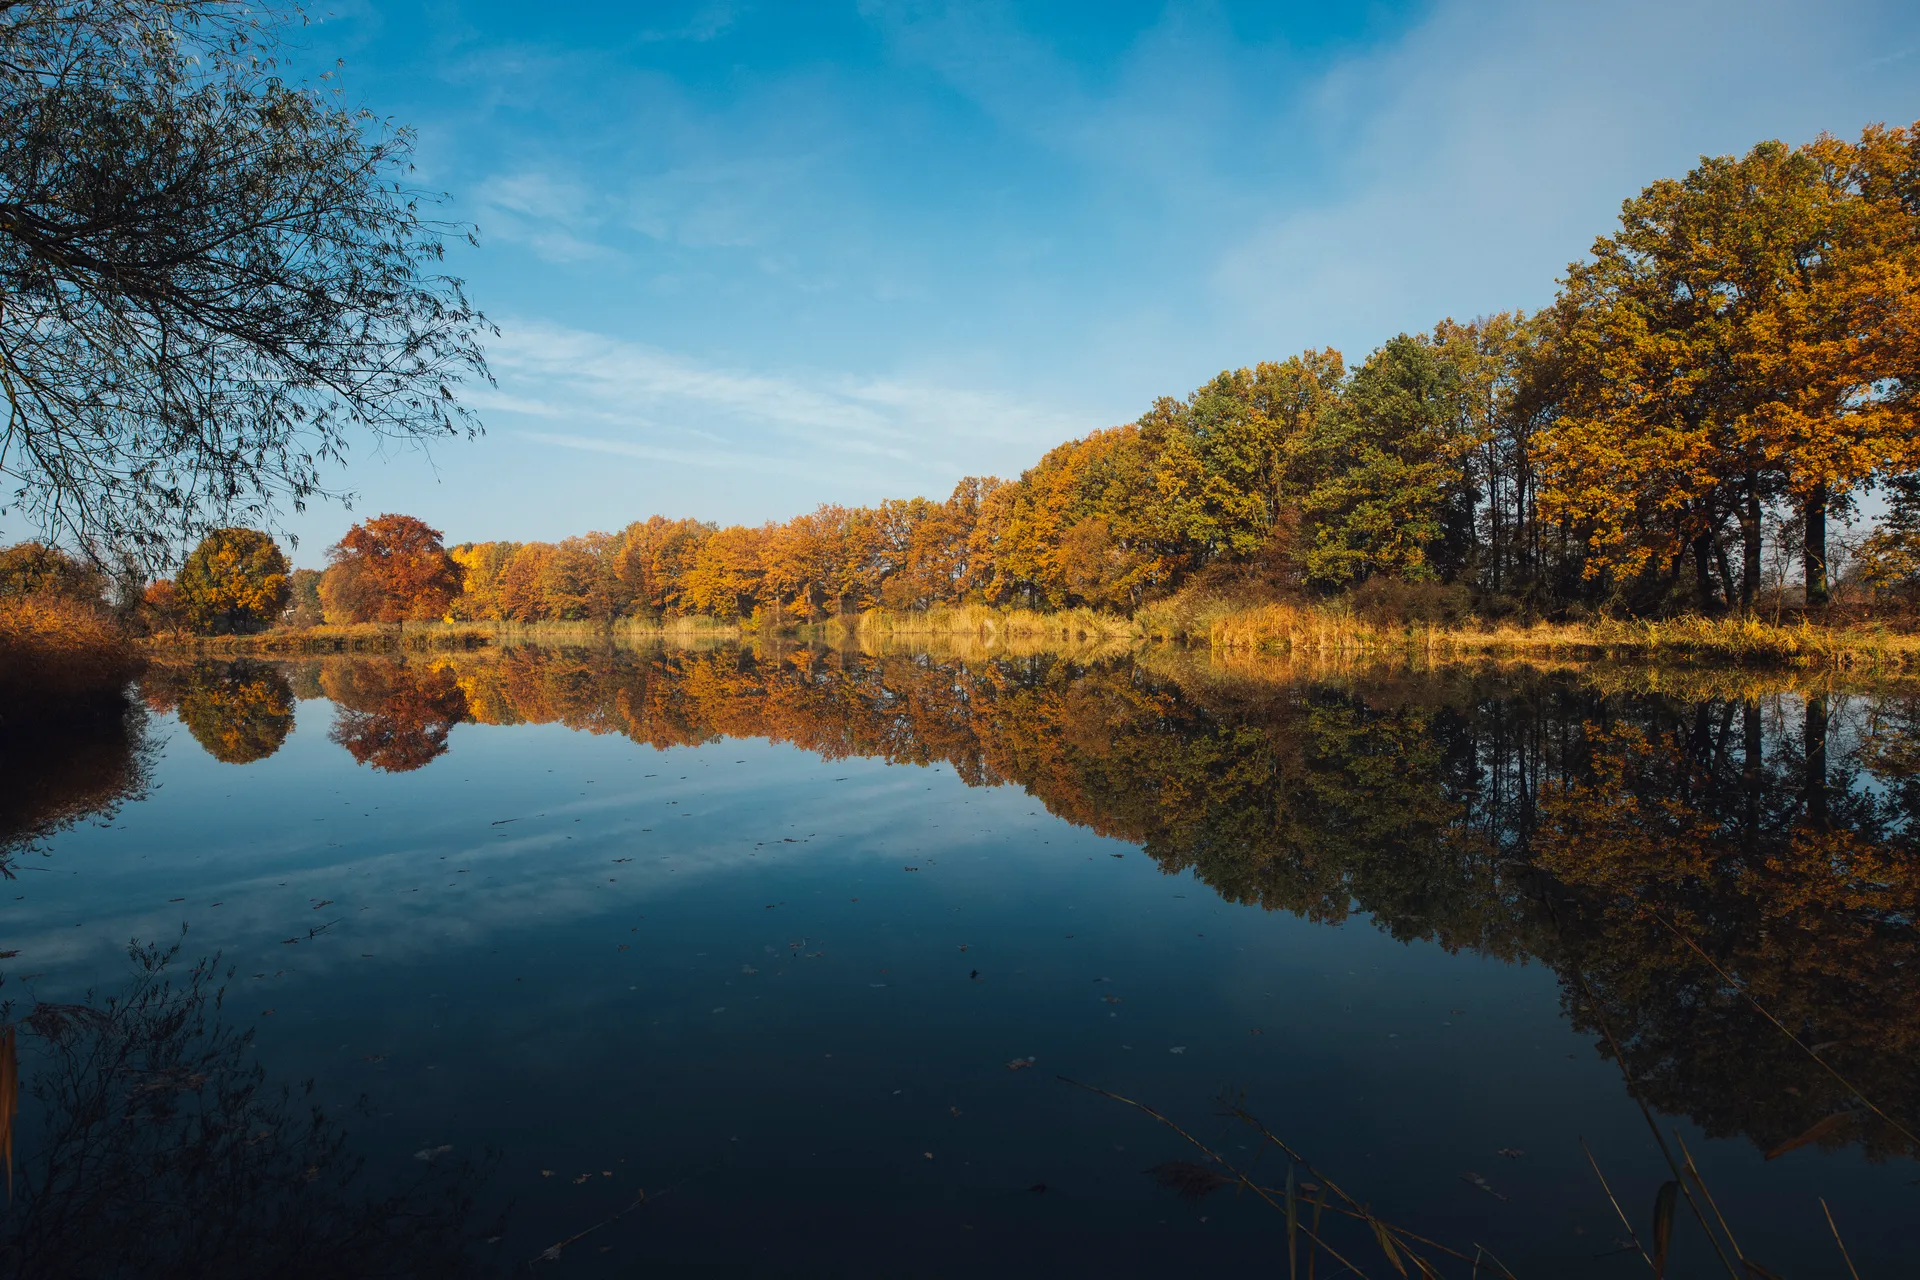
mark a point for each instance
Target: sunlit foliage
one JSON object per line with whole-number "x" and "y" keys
{"x": 388, "y": 569}
{"x": 234, "y": 581}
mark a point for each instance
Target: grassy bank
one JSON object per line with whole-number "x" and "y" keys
{"x": 57, "y": 656}
{"x": 1076, "y": 626}
{"x": 365, "y": 637}
{"x": 1329, "y": 631}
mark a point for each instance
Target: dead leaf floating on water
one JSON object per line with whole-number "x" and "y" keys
{"x": 430, "y": 1154}
{"x": 1020, "y": 1064}
{"x": 1510, "y": 1153}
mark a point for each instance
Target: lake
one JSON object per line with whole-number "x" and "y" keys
{"x": 817, "y": 962}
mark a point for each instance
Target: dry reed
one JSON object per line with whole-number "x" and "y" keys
{"x": 56, "y": 655}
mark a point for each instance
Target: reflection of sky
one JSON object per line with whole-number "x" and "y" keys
{"x": 515, "y": 986}
{"x": 751, "y": 257}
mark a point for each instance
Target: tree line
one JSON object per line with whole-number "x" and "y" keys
{"x": 1732, "y": 368}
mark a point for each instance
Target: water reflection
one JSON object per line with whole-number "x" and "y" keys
{"x": 239, "y": 711}
{"x": 159, "y": 1149}
{"x": 1673, "y": 857}
{"x": 64, "y": 771}
{"x": 393, "y": 716}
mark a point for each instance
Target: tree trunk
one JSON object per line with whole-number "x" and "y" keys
{"x": 1703, "y": 572}
{"x": 1814, "y": 743}
{"x": 1750, "y": 544}
{"x": 1816, "y": 546}
{"x": 1750, "y": 774}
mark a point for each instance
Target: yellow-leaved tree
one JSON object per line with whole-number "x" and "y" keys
{"x": 1748, "y": 335}
{"x": 235, "y": 580}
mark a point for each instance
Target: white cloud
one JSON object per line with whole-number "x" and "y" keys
{"x": 648, "y": 404}
{"x": 1485, "y": 150}
{"x": 553, "y": 216}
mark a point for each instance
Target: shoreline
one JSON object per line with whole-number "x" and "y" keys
{"x": 1315, "y": 633}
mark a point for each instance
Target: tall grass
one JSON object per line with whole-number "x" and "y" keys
{"x": 1332, "y": 630}
{"x": 990, "y": 625}
{"x": 359, "y": 637}
{"x": 57, "y": 656}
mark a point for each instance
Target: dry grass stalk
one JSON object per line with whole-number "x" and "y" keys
{"x": 55, "y": 654}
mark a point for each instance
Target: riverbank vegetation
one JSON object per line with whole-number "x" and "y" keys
{"x": 62, "y": 652}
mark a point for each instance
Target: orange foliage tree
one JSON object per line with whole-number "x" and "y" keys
{"x": 389, "y": 569}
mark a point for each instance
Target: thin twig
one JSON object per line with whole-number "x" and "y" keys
{"x": 1358, "y": 1209}
{"x": 1837, "y": 1240}
{"x": 1616, "y": 1207}
{"x": 552, "y": 1252}
{"x": 1646, "y": 1112}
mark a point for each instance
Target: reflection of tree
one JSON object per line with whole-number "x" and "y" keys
{"x": 1795, "y": 876}
{"x": 153, "y": 1147}
{"x": 393, "y": 715}
{"x": 1522, "y": 817}
{"x": 239, "y": 711}
{"x": 59, "y": 772}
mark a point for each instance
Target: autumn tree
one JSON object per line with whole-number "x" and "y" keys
{"x": 34, "y": 569}
{"x": 214, "y": 275}
{"x": 1746, "y": 336}
{"x": 726, "y": 574}
{"x": 235, "y": 580}
{"x": 304, "y": 607}
{"x": 391, "y": 569}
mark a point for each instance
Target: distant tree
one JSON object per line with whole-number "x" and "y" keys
{"x": 481, "y": 566}
{"x": 211, "y": 274}
{"x": 725, "y": 578}
{"x": 392, "y": 569}
{"x": 1889, "y": 559}
{"x": 34, "y": 569}
{"x": 235, "y": 580}
{"x": 347, "y": 594}
{"x": 304, "y": 607}
{"x": 160, "y": 606}
{"x": 1383, "y": 469}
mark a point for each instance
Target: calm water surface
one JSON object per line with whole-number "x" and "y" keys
{"x": 801, "y": 945}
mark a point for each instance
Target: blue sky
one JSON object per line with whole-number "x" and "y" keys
{"x": 748, "y": 258}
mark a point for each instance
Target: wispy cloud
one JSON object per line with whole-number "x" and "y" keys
{"x": 628, "y": 399}
{"x": 708, "y": 22}
{"x": 555, "y": 217}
